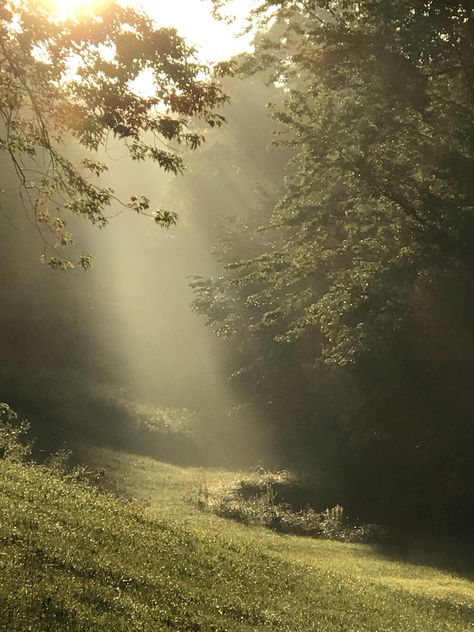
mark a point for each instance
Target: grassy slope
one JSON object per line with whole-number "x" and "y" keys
{"x": 73, "y": 560}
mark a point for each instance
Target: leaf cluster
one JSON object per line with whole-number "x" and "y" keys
{"x": 77, "y": 80}
{"x": 378, "y": 203}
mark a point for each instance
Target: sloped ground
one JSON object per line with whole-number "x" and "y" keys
{"x": 73, "y": 559}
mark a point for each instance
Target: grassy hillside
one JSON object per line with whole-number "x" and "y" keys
{"x": 73, "y": 559}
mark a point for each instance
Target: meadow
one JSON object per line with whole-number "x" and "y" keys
{"x": 75, "y": 558}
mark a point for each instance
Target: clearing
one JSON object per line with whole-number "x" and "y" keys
{"x": 73, "y": 559}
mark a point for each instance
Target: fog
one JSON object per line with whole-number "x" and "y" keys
{"x": 79, "y": 345}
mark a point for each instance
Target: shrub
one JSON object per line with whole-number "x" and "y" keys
{"x": 14, "y": 444}
{"x": 260, "y": 499}
{"x": 141, "y": 427}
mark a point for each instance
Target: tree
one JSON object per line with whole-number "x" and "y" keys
{"x": 380, "y": 112}
{"x": 75, "y": 79}
{"x": 359, "y": 299}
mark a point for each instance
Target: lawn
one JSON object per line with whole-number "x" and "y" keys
{"x": 74, "y": 559}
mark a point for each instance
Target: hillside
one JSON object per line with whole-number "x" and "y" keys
{"x": 74, "y": 559}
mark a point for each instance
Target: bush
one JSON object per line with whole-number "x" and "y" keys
{"x": 135, "y": 426}
{"x": 260, "y": 499}
{"x": 14, "y": 444}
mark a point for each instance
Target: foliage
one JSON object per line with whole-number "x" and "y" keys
{"x": 14, "y": 444}
{"x": 76, "y": 79}
{"x": 350, "y": 318}
{"x": 379, "y": 202}
{"x": 165, "y": 433}
{"x": 57, "y": 351}
{"x": 267, "y": 499}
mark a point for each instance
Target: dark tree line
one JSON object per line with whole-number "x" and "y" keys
{"x": 350, "y": 310}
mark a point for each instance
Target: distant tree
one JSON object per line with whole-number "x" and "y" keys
{"x": 74, "y": 79}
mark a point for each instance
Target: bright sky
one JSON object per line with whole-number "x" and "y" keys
{"x": 215, "y": 40}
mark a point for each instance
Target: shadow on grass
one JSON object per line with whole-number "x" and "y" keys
{"x": 455, "y": 556}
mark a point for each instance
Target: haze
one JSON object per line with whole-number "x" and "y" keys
{"x": 244, "y": 301}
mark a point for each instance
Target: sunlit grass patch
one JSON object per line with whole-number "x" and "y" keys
{"x": 73, "y": 558}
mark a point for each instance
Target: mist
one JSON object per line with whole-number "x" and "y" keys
{"x": 83, "y": 350}
{"x": 236, "y": 307}
{"x": 312, "y": 307}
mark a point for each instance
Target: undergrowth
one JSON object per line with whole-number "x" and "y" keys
{"x": 272, "y": 499}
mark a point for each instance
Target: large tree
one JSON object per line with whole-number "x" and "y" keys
{"x": 380, "y": 109}
{"x": 365, "y": 267}
{"x": 74, "y": 79}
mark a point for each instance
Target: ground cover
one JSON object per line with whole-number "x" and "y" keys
{"x": 74, "y": 559}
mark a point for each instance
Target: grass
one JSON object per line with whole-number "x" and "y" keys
{"x": 73, "y": 559}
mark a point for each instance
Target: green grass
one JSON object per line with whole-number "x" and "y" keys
{"x": 72, "y": 559}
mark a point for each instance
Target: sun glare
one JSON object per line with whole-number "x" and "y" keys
{"x": 214, "y": 40}
{"x": 71, "y": 8}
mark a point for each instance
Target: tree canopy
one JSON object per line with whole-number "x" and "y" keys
{"x": 380, "y": 202}
{"x": 76, "y": 79}
{"x": 350, "y": 308}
